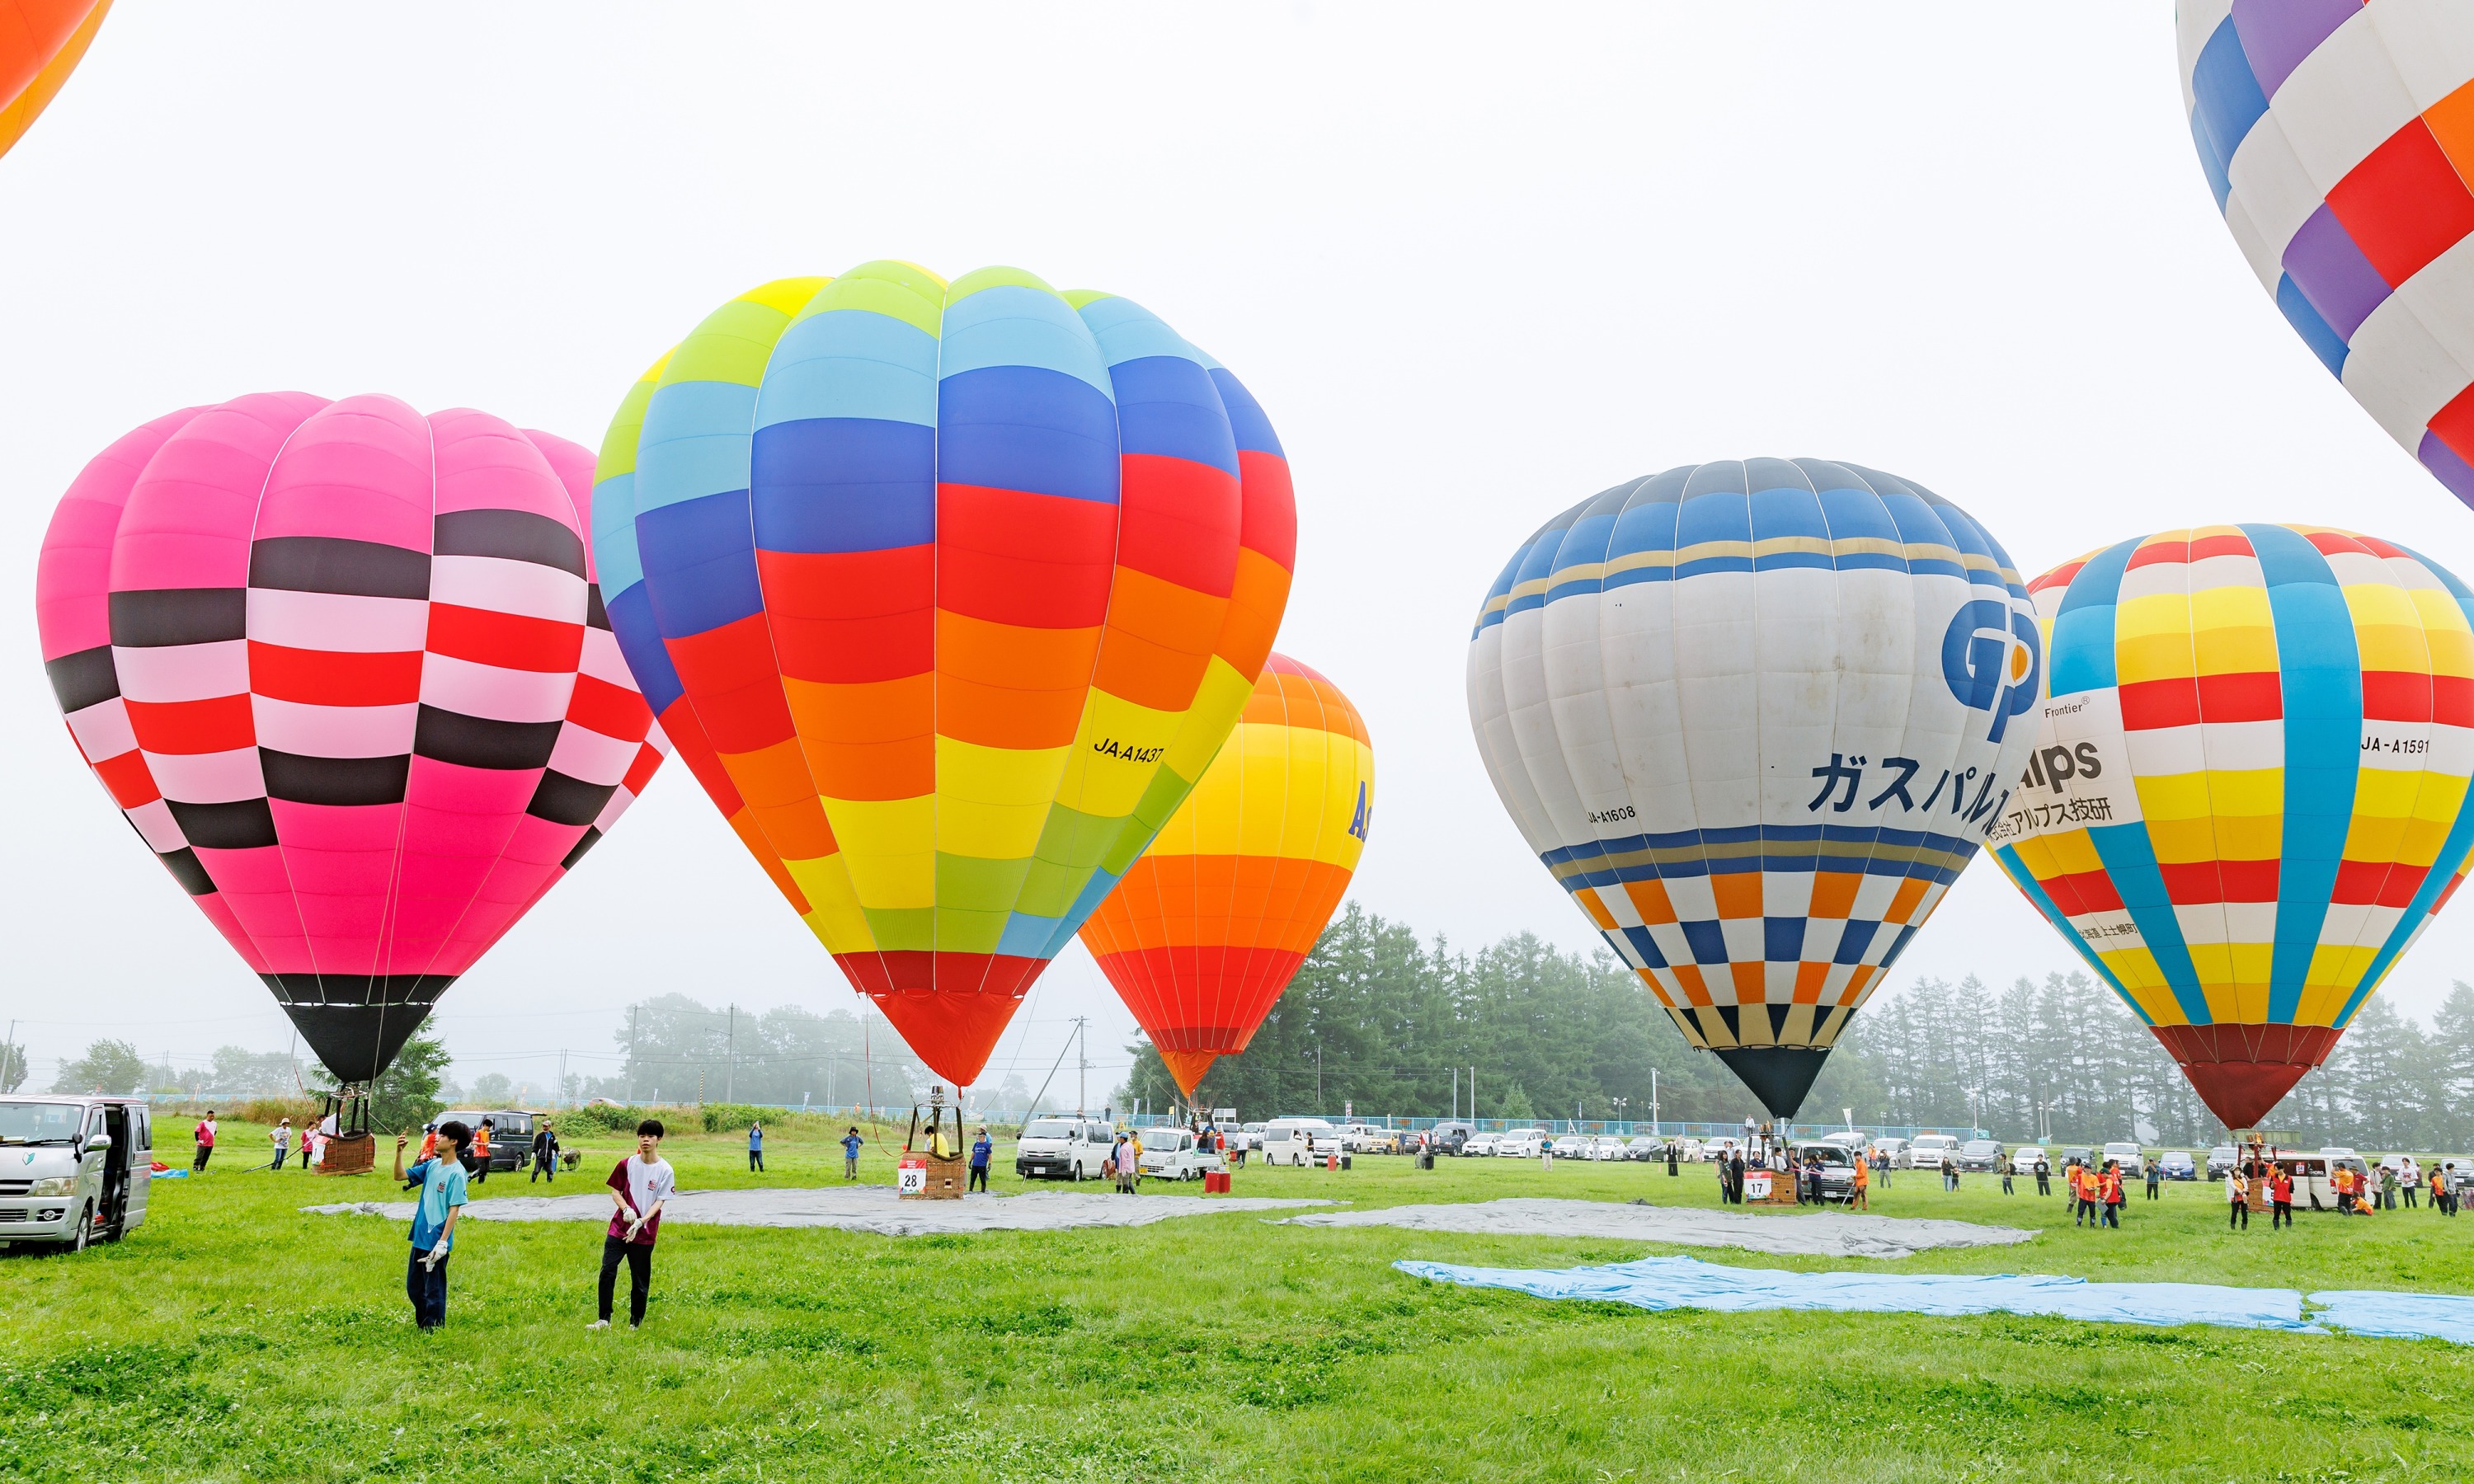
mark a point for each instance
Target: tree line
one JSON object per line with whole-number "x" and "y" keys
{"x": 1387, "y": 1022}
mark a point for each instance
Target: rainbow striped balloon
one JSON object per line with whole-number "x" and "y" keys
{"x": 947, "y": 593}
{"x": 1211, "y": 925}
{"x": 2247, "y": 794}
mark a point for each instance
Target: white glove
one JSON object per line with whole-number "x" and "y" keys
{"x": 437, "y": 1255}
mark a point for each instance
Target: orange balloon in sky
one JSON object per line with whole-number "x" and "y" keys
{"x": 40, "y": 43}
{"x": 1211, "y": 924}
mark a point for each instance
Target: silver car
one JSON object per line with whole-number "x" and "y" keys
{"x": 73, "y": 1170}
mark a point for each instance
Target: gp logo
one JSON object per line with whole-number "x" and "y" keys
{"x": 1985, "y": 670}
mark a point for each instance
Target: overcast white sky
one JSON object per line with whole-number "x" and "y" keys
{"x": 1476, "y": 262}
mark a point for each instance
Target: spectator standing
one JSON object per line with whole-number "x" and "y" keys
{"x": 204, "y": 1136}
{"x": 1672, "y": 1156}
{"x": 2388, "y": 1187}
{"x": 443, "y": 1188}
{"x": 850, "y": 1153}
{"x": 2155, "y": 1174}
{"x": 2237, "y": 1194}
{"x": 1949, "y": 1173}
{"x": 754, "y": 1146}
{"x": 982, "y": 1148}
{"x": 2280, "y": 1197}
{"x": 2409, "y": 1179}
{"x": 638, "y": 1187}
{"x": 1547, "y": 1153}
{"x": 2005, "y": 1177}
{"x": 283, "y": 1138}
{"x": 545, "y": 1154}
{"x": 1134, "y": 1162}
{"x": 1116, "y": 1164}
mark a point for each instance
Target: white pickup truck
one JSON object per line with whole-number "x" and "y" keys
{"x": 1174, "y": 1154}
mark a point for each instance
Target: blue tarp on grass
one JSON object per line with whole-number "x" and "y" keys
{"x": 2397, "y": 1316}
{"x": 1688, "y": 1282}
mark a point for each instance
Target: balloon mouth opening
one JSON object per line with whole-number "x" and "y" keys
{"x": 1780, "y": 1076}
{"x": 2244, "y": 1071}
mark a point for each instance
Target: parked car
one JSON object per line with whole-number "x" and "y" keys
{"x": 1479, "y": 1145}
{"x": 1520, "y": 1143}
{"x": 2126, "y": 1154}
{"x": 1299, "y": 1141}
{"x": 1927, "y": 1151}
{"x": 1598, "y": 1146}
{"x": 1174, "y": 1154}
{"x": 78, "y": 1171}
{"x": 1378, "y": 1141}
{"x": 511, "y": 1134}
{"x": 1691, "y": 1151}
{"x": 2023, "y": 1160}
{"x": 2221, "y": 1160}
{"x": 1253, "y": 1137}
{"x": 1646, "y": 1147}
{"x": 1721, "y": 1148}
{"x": 1449, "y": 1137}
{"x": 1889, "y": 1152}
{"x": 1061, "y": 1149}
{"x": 2177, "y": 1164}
{"x": 1836, "y": 1161}
{"x": 1979, "y": 1154}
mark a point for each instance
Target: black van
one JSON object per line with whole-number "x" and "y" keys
{"x": 511, "y": 1135}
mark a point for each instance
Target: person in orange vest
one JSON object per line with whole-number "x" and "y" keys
{"x": 2340, "y": 1180}
{"x": 1864, "y": 1182}
{"x": 2280, "y": 1198}
{"x": 2110, "y": 1193}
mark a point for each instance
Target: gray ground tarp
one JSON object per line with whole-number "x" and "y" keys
{"x": 854, "y": 1208}
{"x": 1815, "y": 1234}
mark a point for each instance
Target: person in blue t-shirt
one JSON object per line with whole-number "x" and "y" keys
{"x": 441, "y": 1181}
{"x": 981, "y": 1149}
{"x": 755, "y": 1146}
{"x": 850, "y": 1154}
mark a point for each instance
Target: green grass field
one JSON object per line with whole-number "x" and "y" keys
{"x": 233, "y": 1338}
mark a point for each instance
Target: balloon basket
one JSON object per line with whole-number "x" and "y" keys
{"x": 1769, "y": 1188}
{"x": 931, "y": 1167}
{"x": 350, "y": 1153}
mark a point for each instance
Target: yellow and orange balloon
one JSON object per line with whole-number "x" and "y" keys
{"x": 1211, "y": 924}
{"x": 40, "y": 43}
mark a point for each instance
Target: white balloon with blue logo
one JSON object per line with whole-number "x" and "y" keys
{"x": 1755, "y": 716}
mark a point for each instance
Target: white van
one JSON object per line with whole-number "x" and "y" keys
{"x": 1061, "y": 1149}
{"x": 1520, "y": 1143}
{"x": 1300, "y": 1140}
{"x": 73, "y": 1170}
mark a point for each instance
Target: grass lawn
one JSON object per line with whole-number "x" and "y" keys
{"x": 233, "y": 1338}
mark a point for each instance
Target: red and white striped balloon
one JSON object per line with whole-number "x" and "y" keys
{"x": 346, "y": 670}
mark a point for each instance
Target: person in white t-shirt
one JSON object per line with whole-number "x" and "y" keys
{"x": 638, "y": 1187}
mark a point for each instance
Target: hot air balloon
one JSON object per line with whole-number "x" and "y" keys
{"x": 2338, "y": 140}
{"x": 40, "y": 43}
{"x": 345, "y": 669}
{"x": 1209, "y": 926}
{"x": 1755, "y": 717}
{"x": 947, "y": 594}
{"x": 2247, "y": 793}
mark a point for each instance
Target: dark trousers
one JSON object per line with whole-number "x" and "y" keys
{"x": 2280, "y": 1214}
{"x": 2005, "y": 1183}
{"x": 979, "y": 1179}
{"x": 2409, "y": 1196}
{"x": 427, "y": 1287}
{"x": 544, "y": 1165}
{"x": 280, "y": 1153}
{"x": 639, "y": 1275}
{"x": 2151, "y": 1190}
{"x": 2237, "y": 1214}
{"x": 2112, "y": 1215}
{"x": 756, "y": 1159}
{"x": 2044, "y": 1183}
{"x": 206, "y": 1152}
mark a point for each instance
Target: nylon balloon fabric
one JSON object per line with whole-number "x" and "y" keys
{"x": 2247, "y": 793}
{"x": 947, "y": 594}
{"x": 41, "y": 42}
{"x": 1212, "y": 922}
{"x": 344, "y": 669}
{"x": 2338, "y": 137}
{"x": 1755, "y": 716}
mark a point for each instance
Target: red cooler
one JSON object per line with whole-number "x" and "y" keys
{"x": 1215, "y": 1181}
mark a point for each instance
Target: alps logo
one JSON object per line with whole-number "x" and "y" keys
{"x": 1985, "y": 670}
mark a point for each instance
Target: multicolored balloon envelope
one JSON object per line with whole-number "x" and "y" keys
{"x": 41, "y": 42}
{"x": 1755, "y": 717}
{"x": 2247, "y": 794}
{"x": 1211, "y": 924}
{"x": 345, "y": 669}
{"x": 947, "y": 594}
{"x": 2338, "y": 139}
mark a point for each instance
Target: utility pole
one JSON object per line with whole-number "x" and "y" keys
{"x": 730, "y": 1072}
{"x": 559, "y": 1099}
{"x": 1083, "y": 1070}
{"x": 1653, "y": 1103}
{"x": 1456, "y": 1094}
{"x": 631, "y": 1056}
{"x": 1318, "y": 1077}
